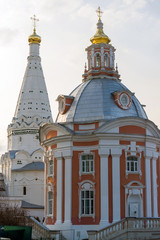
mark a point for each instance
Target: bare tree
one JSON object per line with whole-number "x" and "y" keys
{"x": 12, "y": 215}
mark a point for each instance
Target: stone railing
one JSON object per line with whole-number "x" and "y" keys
{"x": 39, "y": 231}
{"x": 149, "y": 225}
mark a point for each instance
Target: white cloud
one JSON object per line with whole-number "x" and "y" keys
{"x": 7, "y": 35}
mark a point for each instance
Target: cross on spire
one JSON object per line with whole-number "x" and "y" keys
{"x": 34, "y": 22}
{"x": 99, "y": 12}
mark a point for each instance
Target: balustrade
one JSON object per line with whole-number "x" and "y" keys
{"x": 125, "y": 225}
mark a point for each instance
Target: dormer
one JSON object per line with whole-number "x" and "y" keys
{"x": 65, "y": 103}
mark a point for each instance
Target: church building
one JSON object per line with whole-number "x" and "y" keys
{"x": 22, "y": 165}
{"x": 102, "y": 153}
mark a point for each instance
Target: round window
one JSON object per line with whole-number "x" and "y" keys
{"x": 124, "y": 99}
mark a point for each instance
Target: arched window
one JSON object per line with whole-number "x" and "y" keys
{"x": 132, "y": 164}
{"x": 98, "y": 60}
{"x": 50, "y": 167}
{"x": 87, "y": 199}
{"x": 24, "y": 191}
{"x": 50, "y": 203}
{"x": 106, "y": 60}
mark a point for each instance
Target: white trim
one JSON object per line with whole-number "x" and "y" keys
{"x": 59, "y": 191}
{"x": 154, "y": 181}
{"x": 148, "y": 187}
{"x": 116, "y": 186}
{"x": 104, "y": 189}
{"x": 68, "y": 190}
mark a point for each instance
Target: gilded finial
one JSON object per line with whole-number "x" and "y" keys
{"x": 34, "y": 38}
{"x": 100, "y": 36}
{"x": 34, "y": 22}
{"x": 99, "y": 12}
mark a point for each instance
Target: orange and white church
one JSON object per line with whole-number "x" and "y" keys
{"x": 102, "y": 153}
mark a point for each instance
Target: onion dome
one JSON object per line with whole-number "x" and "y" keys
{"x": 100, "y": 36}
{"x": 34, "y": 38}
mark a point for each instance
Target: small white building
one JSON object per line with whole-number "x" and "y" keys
{"x": 22, "y": 165}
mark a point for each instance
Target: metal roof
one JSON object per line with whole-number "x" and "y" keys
{"x": 34, "y": 166}
{"x": 31, "y": 205}
{"x": 93, "y": 100}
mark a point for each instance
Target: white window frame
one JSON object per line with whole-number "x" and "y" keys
{"x": 50, "y": 167}
{"x": 133, "y": 166}
{"x": 106, "y": 60}
{"x": 98, "y": 62}
{"x": 84, "y": 187}
{"x": 91, "y": 163}
{"x": 84, "y": 199}
{"x": 49, "y": 201}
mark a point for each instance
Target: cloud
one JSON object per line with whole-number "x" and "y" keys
{"x": 50, "y": 8}
{"x": 8, "y": 35}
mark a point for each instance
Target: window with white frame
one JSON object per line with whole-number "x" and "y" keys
{"x": 87, "y": 202}
{"x": 87, "y": 163}
{"x": 50, "y": 167}
{"x": 50, "y": 203}
{"x": 98, "y": 60}
{"x": 106, "y": 60}
{"x": 132, "y": 164}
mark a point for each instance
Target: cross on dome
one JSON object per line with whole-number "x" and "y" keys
{"x": 34, "y": 38}
{"x": 34, "y": 21}
{"x": 99, "y": 12}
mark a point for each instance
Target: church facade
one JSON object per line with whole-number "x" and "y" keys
{"x": 22, "y": 165}
{"x": 102, "y": 153}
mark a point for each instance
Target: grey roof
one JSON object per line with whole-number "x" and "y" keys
{"x": 93, "y": 100}
{"x": 31, "y": 205}
{"x": 34, "y": 166}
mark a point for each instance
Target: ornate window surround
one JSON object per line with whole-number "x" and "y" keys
{"x": 87, "y": 186}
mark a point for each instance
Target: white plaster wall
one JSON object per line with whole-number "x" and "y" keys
{"x": 29, "y": 143}
{"x": 34, "y": 188}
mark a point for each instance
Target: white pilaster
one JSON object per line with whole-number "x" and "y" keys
{"x": 148, "y": 184}
{"x": 104, "y": 153}
{"x": 154, "y": 186}
{"x": 116, "y": 183}
{"x": 59, "y": 190}
{"x": 68, "y": 190}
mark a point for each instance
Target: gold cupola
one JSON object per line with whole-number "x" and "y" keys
{"x": 100, "y": 36}
{"x": 34, "y": 38}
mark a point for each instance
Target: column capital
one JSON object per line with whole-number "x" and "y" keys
{"x": 151, "y": 154}
{"x": 116, "y": 152}
{"x": 104, "y": 151}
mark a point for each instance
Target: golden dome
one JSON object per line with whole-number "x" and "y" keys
{"x": 100, "y": 36}
{"x": 34, "y": 38}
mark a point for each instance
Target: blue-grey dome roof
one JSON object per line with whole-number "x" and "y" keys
{"x": 93, "y": 100}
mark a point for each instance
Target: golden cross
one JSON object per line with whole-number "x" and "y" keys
{"x": 34, "y": 21}
{"x": 99, "y": 12}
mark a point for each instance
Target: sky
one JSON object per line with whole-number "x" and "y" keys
{"x": 66, "y": 27}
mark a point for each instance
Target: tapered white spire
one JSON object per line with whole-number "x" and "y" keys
{"x": 33, "y": 97}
